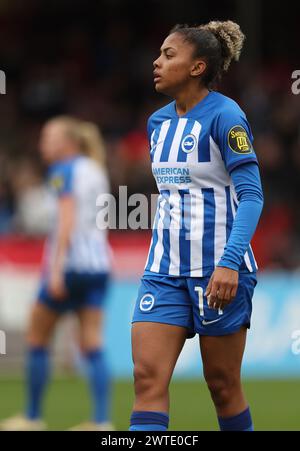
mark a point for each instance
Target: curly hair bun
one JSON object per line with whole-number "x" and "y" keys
{"x": 230, "y": 37}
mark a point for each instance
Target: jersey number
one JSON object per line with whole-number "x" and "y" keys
{"x": 199, "y": 290}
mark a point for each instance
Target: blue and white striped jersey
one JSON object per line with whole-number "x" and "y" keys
{"x": 192, "y": 158}
{"x": 84, "y": 179}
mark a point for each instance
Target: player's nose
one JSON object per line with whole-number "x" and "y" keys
{"x": 156, "y": 63}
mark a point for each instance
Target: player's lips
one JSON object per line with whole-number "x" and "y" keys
{"x": 157, "y": 77}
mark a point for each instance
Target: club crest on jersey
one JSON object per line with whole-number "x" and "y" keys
{"x": 189, "y": 143}
{"x": 147, "y": 302}
{"x": 238, "y": 140}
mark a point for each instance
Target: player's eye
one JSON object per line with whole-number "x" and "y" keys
{"x": 168, "y": 56}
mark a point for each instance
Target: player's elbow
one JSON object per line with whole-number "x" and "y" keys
{"x": 255, "y": 197}
{"x": 260, "y": 201}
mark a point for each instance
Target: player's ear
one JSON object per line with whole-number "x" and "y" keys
{"x": 198, "y": 68}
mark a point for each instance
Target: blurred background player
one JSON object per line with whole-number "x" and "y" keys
{"x": 201, "y": 273}
{"x": 76, "y": 268}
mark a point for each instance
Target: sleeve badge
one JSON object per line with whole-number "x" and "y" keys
{"x": 238, "y": 140}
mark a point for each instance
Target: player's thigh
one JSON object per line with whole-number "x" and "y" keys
{"x": 90, "y": 327}
{"x": 222, "y": 355}
{"x": 42, "y": 321}
{"x": 155, "y": 349}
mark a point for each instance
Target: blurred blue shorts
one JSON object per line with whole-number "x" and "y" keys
{"x": 180, "y": 301}
{"x": 84, "y": 290}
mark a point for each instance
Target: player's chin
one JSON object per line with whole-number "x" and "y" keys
{"x": 157, "y": 86}
{"x": 162, "y": 87}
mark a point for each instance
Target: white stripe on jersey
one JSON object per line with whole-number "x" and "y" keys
{"x": 197, "y": 228}
{"x": 161, "y": 139}
{"x": 150, "y": 248}
{"x": 177, "y": 139}
{"x": 152, "y": 139}
{"x": 175, "y": 200}
{"x": 232, "y": 196}
{"x": 220, "y": 223}
{"x": 159, "y": 249}
{"x": 154, "y": 226}
{"x": 255, "y": 262}
{"x": 247, "y": 261}
{"x": 193, "y": 156}
{"x": 220, "y": 210}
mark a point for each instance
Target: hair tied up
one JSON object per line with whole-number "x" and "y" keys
{"x": 230, "y": 37}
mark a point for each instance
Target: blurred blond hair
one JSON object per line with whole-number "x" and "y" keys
{"x": 87, "y": 135}
{"x": 92, "y": 143}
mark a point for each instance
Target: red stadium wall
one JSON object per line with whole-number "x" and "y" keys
{"x": 130, "y": 251}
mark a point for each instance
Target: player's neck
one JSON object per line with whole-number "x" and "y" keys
{"x": 187, "y": 99}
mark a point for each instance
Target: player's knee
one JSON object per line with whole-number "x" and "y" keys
{"x": 34, "y": 339}
{"x": 144, "y": 374}
{"x": 89, "y": 342}
{"x": 222, "y": 386}
{"x": 146, "y": 379}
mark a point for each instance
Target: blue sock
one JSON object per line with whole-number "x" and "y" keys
{"x": 149, "y": 421}
{"x": 99, "y": 379}
{"x": 37, "y": 374}
{"x": 240, "y": 422}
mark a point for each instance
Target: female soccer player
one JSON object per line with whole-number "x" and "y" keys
{"x": 200, "y": 273}
{"x": 76, "y": 269}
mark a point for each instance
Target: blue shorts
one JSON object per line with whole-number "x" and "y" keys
{"x": 180, "y": 301}
{"x": 84, "y": 290}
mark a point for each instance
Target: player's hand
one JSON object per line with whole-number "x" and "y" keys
{"x": 57, "y": 286}
{"x": 222, "y": 287}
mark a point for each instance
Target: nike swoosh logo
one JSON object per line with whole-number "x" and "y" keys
{"x": 206, "y": 323}
{"x": 154, "y": 147}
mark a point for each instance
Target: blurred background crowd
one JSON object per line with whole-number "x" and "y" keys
{"x": 94, "y": 59}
